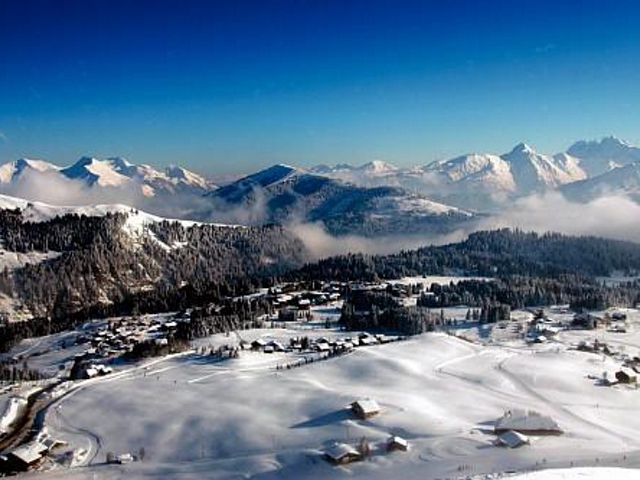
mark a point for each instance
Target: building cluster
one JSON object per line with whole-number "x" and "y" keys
{"x": 341, "y": 453}
{"x": 30, "y": 455}
{"x": 321, "y": 344}
{"x": 112, "y": 341}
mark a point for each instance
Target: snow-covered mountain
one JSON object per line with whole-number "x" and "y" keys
{"x": 600, "y": 156}
{"x": 285, "y": 194}
{"x": 623, "y": 180}
{"x": 173, "y": 192}
{"x": 370, "y": 174}
{"x": 118, "y": 172}
{"x": 12, "y": 172}
{"x": 484, "y": 181}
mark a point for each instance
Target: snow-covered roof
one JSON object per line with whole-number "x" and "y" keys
{"x": 367, "y": 406}
{"x": 628, "y": 372}
{"x": 397, "y": 441}
{"x": 29, "y": 453}
{"x": 512, "y": 439}
{"x": 526, "y": 421}
{"x": 338, "y": 451}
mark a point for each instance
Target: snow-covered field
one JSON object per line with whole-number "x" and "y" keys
{"x": 241, "y": 418}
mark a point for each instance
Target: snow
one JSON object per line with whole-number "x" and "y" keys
{"x": 11, "y": 411}
{"x": 135, "y": 223}
{"x": 12, "y": 171}
{"x": 601, "y": 155}
{"x": 579, "y": 474}
{"x": 200, "y": 418}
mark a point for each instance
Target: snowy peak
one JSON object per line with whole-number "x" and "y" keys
{"x": 118, "y": 172}
{"x": 112, "y": 172}
{"x": 521, "y": 150}
{"x": 270, "y": 175}
{"x": 533, "y": 171}
{"x": 624, "y": 180}
{"x": 178, "y": 174}
{"x": 266, "y": 178}
{"x": 12, "y": 171}
{"x": 378, "y": 167}
{"x": 599, "y": 156}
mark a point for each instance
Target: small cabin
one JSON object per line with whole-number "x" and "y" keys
{"x": 341, "y": 454}
{"x": 26, "y": 457}
{"x": 364, "y": 409}
{"x": 396, "y": 443}
{"x": 626, "y": 375}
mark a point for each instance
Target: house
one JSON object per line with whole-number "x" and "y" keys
{"x": 27, "y": 456}
{"x": 341, "y": 454}
{"x": 364, "y": 409}
{"x": 304, "y": 304}
{"x": 397, "y": 443}
{"x": 124, "y": 458}
{"x": 276, "y": 346}
{"x": 527, "y": 422}
{"x": 626, "y": 375}
{"x": 588, "y": 321}
{"x": 512, "y": 439}
{"x": 288, "y": 314}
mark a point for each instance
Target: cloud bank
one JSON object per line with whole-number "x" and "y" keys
{"x": 612, "y": 216}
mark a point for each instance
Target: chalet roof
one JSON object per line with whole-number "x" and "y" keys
{"x": 367, "y": 406}
{"x": 395, "y": 440}
{"x": 29, "y": 453}
{"x": 629, "y": 372}
{"x": 527, "y": 421}
{"x": 338, "y": 451}
{"x": 512, "y": 439}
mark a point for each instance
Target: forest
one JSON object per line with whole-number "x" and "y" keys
{"x": 488, "y": 253}
{"x": 102, "y": 270}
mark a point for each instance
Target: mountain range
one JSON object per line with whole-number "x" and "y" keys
{"x": 282, "y": 194}
{"x": 371, "y": 199}
{"x": 114, "y": 172}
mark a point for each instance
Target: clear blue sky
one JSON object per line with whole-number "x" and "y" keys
{"x": 236, "y": 85}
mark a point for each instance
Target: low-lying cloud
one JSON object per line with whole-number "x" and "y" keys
{"x": 612, "y": 216}
{"x": 615, "y": 216}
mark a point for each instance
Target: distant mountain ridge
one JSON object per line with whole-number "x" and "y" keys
{"x": 114, "y": 172}
{"x": 372, "y": 198}
{"x": 284, "y": 194}
{"x": 484, "y": 181}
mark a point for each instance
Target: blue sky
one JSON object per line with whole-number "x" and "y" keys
{"x": 234, "y": 86}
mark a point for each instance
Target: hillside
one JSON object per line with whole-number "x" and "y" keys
{"x": 284, "y": 194}
{"x": 103, "y": 257}
{"x": 491, "y": 253}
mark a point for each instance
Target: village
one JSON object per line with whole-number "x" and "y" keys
{"x": 300, "y": 338}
